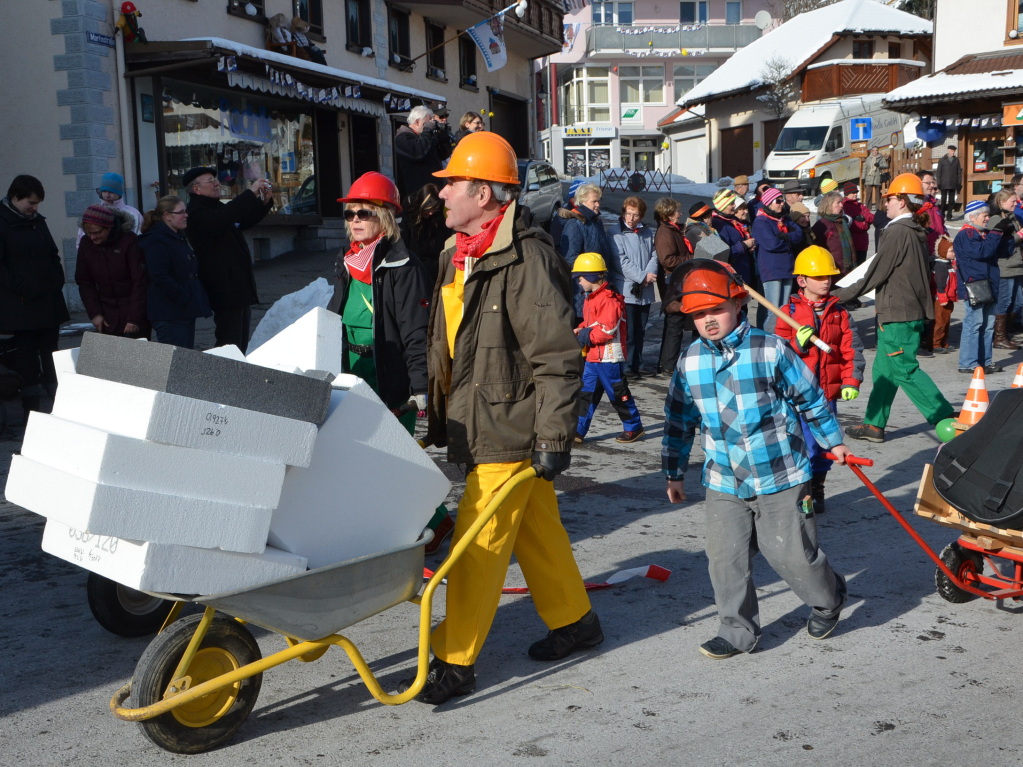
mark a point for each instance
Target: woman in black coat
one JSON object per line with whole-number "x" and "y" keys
{"x": 32, "y": 306}
{"x": 175, "y": 297}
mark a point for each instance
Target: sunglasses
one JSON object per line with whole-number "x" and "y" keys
{"x": 361, "y": 213}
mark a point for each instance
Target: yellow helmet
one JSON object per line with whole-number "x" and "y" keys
{"x": 591, "y": 263}
{"x": 815, "y": 261}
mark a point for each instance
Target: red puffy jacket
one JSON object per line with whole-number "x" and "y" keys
{"x": 604, "y": 315}
{"x": 844, "y": 367}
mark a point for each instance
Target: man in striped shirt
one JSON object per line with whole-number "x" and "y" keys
{"x": 747, "y": 389}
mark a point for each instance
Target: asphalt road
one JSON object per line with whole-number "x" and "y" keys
{"x": 906, "y": 679}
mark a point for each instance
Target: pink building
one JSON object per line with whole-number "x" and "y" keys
{"x": 623, "y": 67}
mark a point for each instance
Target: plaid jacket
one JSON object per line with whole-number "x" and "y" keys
{"x": 746, "y": 394}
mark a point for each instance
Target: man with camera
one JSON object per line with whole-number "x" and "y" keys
{"x": 416, "y": 146}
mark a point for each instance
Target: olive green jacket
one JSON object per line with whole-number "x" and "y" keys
{"x": 513, "y": 384}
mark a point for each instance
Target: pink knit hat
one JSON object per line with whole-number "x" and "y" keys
{"x": 770, "y": 196}
{"x": 99, "y": 215}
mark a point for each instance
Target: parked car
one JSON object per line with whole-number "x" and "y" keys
{"x": 304, "y": 200}
{"x": 541, "y": 190}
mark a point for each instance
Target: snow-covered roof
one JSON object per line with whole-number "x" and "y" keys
{"x": 271, "y": 57}
{"x": 943, "y": 86}
{"x": 800, "y": 39}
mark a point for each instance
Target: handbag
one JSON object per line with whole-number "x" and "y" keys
{"x": 978, "y": 293}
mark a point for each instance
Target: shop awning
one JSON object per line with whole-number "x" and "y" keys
{"x": 992, "y": 75}
{"x": 270, "y": 72}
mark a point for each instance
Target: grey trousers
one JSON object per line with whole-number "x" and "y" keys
{"x": 788, "y": 540}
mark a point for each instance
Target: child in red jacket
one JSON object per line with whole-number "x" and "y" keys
{"x": 839, "y": 373}
{"x": 603, "y": 335}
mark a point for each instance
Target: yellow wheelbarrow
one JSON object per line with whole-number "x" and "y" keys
{"x": 199, "y": 678}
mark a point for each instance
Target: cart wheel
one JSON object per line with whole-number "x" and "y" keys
{"x": 961, "y": 562}
{"x": 124, "y": 611}
{"x": 209, "y": 721}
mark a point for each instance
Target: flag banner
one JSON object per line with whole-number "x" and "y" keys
{"x": 489, "y": 38}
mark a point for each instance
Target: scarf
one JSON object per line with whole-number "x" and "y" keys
{"x": 781, "y": 224}
{"x": 475, "y": 245}
{"x": 844, "y": 239}
{"x": 359, "y": 260}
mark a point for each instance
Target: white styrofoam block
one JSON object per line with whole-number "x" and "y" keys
{"x": 230, "y": 352}
{"x": 138, "y": 515}
{"x": 167, "y": 568}
{"x": 370, "y": 486}
{"x": 289, "y": 308}
{"x": 313, "y": 342}
{"x": 175, "y": 420}
{"x": 64, "y": 361}
{"x": 113, "y": 459}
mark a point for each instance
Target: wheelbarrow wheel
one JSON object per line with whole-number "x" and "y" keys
{"x": 124, "y": 611}
{"x": 211, "y": 720}
{"x": 964, "y": 564}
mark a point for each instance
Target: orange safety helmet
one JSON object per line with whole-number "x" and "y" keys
{"x": 707, "y": 283}
{"x": 483, "y": 155}
{"x": 906, "y": 183}
{"x": 376, "y": 188}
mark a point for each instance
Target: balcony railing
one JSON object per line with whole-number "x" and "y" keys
{"x": 837, "y": 80}
{"x": 617, "y": 39}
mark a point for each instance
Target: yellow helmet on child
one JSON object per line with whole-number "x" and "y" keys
{"x": 590, "y": 263}
{"x": 815, "y": 261}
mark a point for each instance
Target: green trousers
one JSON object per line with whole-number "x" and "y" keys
{"x": 896, "y": 366}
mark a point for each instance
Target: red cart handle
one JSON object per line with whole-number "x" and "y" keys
{"x": 852, "y": 460}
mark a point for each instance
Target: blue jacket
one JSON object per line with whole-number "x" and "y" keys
{"x": 776, "y": 238}
{"x": 748, "y": 391}
{"x": 977, "y": 255}
{"x": 175, "y": 292}
{"x": 739, "y": 257}
{"x": 638, "y": 259}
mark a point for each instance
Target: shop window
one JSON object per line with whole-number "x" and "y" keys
{"x": 585, "y": 96}
{"x": 611, "y": 12}
{"x": 693, "y": 12}
{"x": 467, "y": 63}
{"x": 863, "y": 49}
{"x": 641, "y": 84}
{"x": 733, "y": 13}
{"x": 248, "y": 9}
{"x": 358, "y": 25}
{"x": 435, "y": 68}
{"x": 1014, "y": 30}
{"x": 688, "y": 76}
{"x": 398, "y": 39}
{"x": 244, "y": 138}
{"x": 311, "y": 11}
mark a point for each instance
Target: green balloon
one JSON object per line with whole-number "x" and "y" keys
{"x": 946, "y": 429}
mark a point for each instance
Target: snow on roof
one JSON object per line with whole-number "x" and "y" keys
{"x": 272, "y": 57}
{"x": 799, "y": 39}
{"x": 941, "y": 85}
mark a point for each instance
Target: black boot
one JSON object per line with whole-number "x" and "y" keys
{"x": 445, "y": 681}
{"x": 817, "y": 491}
{"x": 561, "y": 642}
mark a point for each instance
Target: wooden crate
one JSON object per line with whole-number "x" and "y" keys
{"x": 932, "y": 506}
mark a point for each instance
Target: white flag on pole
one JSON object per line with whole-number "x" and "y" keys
{"x": 489, "y": 38}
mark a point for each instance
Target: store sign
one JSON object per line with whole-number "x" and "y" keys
{"x": 248, "y": 124}
{"x": 1012, "y": 114}
{"x": 594, "y": 132}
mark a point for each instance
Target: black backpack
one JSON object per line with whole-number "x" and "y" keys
{"x": 980, "y": 472}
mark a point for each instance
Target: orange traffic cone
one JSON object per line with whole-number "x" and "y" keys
{"x": 976, "y": 400}
{"x": 1017, "y": 382}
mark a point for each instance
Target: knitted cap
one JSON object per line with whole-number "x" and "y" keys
{"x": 573, "y": 188}
{"x": 724, "y": 198}
{"x": 99, "y": 216}
{"x": 112, "y": 182}
{"x": 850, "y": 187}
{"x": 975, "y": 206}
{"x": 770, "y": 196}
{"x": 828, "y": 185}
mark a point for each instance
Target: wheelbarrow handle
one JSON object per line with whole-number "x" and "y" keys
{"x": 852, "y": 460}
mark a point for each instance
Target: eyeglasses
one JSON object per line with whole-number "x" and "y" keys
{"x": 361, "y": 213}
{"x": 178, "y": 212}
{"x": 206, "y": 181}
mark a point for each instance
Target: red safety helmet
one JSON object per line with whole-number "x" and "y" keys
{"x": 128, "y": 8}
{"x": 707, "y": 283}
{"x": 373, "y": 187}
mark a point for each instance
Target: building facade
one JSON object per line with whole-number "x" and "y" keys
{"x": 202, "y": 85}
{"x": 622, "y": 66}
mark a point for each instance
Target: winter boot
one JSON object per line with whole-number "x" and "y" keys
{"x": 1002, "y": 339}
{"x": 817, "y": 491}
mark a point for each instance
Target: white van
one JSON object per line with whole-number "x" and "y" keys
{"x": 817, "y": 141}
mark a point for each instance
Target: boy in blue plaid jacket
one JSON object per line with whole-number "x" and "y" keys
{"x": 747, "y": 389}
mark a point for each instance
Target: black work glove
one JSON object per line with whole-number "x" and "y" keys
{"x": 549, "y": 465}
{"x": 1004, "y": 226}
{"x": 583, "y": 336}
{"x": 859, "y": 218}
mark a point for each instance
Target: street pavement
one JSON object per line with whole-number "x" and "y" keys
{"x": 907, "y": 678}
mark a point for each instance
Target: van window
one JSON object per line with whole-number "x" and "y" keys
{"x": 836, "y": 140}
{"x": 806, "y": 139}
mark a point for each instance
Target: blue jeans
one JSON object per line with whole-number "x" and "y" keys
{"x": 777, "y": 292}
{"x": 978, "y": 333}
{"x": 1010, "y": 295}
{"x": 175, "y": 332}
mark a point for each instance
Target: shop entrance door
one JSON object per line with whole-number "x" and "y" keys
{"x": 362, "y": 145}
{"x": 982, "y": 162}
